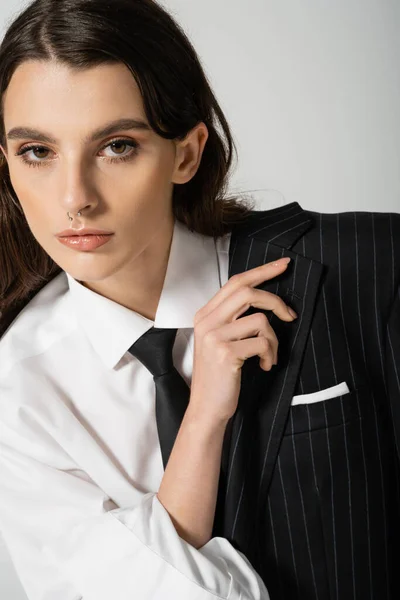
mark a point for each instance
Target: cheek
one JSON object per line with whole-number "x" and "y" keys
{"x": 27, "y": 197}
{"x": 19, "y": 184}
{"x": 26, "y": 188}
{"x": 152, "y": 171}
{"x": 33, "y": 203}
{"x": 147, "y": 183}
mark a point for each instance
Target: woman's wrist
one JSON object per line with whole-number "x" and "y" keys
{"x": 188, "y": 490}
{"x": 196, "y": 415}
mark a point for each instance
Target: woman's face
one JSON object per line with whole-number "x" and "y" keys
{"x": 131, "y": 196}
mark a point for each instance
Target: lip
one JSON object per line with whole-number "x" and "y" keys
{"x": 84, "y": 231}
{"x": 85, "y": 242}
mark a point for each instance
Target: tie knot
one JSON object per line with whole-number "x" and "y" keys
{"x": 154, "y": 350}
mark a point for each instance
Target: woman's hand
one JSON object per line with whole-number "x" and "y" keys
{"x": 222, "y": 342}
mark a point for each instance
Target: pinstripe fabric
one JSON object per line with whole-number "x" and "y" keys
{"x": 310, "y": 493}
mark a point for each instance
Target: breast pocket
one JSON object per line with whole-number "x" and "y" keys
{"x": 328, "y": 407}
{"x": 326, "y": 394}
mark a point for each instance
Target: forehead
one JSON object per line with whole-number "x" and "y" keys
{"x": 55, "y": 92}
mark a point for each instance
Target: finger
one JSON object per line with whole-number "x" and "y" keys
{"x": 239, "y": 301}
{"x": 252, "y": 325}
{"x": 252, "y": 278}
{"x": 257, "y": 346}
{"x": 258, "y": 299}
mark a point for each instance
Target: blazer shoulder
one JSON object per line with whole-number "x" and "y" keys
{"x": 362, "y": 217}
{"x": 376, "y": 235}
{"x": 381, "y": 226}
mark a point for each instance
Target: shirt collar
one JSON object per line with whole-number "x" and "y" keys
{"x": 191, "y": 280}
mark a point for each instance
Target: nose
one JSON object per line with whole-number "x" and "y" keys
{"x": 79, "y": 194}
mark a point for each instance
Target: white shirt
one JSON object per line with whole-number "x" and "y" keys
{"x": 80, "y": 459}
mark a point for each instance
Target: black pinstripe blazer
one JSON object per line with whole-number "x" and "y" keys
{"x": 310, "y": 493}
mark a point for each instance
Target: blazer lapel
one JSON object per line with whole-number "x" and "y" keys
{"x": 254, "y": 433}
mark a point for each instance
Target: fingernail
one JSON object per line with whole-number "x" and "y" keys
{"x": 282, "y": 261}
{"x": 291, "y": 312}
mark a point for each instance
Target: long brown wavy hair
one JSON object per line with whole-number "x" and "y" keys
{"x": 176, "y": 95}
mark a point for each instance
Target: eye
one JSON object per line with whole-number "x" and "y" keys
{"x": 118, "y": 157}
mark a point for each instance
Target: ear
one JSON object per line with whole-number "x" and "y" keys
{"x": 188, "y": 154}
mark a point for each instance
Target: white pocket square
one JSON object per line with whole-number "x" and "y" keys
{"x": 331, "y": 392}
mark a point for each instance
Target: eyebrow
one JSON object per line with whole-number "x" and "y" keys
{"x": 21, "y": 133}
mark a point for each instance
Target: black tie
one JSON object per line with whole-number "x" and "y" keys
{"x": 154, "y": 350}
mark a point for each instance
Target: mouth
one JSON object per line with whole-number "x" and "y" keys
{"x": 76, "y": 235}
{"x": 85, "y": 242}
{"x": 83, "y": 232}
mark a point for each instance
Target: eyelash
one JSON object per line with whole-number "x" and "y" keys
{"x": 39, "y": 163}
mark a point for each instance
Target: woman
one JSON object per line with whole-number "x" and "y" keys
{"x": 149, "y": 446}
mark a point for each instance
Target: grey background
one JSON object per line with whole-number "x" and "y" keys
{"x": 311, "y": 90}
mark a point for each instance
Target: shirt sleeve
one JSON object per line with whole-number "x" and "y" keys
{"x": 68, "y": 540}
